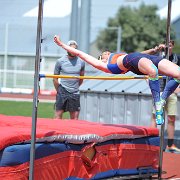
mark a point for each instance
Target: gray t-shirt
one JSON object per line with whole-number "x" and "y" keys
{"x": 70, "y": 67}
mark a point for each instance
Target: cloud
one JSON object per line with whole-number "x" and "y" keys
{"x": 52, "y": 8}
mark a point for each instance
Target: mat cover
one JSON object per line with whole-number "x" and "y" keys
{"x": 95, "y": 150}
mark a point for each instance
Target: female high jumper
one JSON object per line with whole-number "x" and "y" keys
{"x": 140, "y": 64}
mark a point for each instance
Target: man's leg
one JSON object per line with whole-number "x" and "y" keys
{"x": 74, "y": 115}
{"x": 153, "y": 121}
{"x": 171, "y": 112}
{"x": 171, "y": 129}
{"x": 74, "y": 105}
{"x": 60, "y": 103}
{"x": 58, "y": 114}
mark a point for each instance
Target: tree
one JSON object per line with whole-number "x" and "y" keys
{"x": 176, "y": 48}
{"x": 141, "y": 28}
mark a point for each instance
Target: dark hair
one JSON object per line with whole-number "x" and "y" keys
{"x": 100, "y": 57}
{"x": 104, "y": 50}
{"x": 171, "y": 41}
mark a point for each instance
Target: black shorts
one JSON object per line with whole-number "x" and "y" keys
{"x": 67, "y": 101}
{"x": 131, "y": 61}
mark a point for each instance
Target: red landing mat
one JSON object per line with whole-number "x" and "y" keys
{"x": 15, "y": 129}
{"x": 108, "y": 150}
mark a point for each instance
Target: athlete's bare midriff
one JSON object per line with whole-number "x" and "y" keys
{"x": 120, "y": 63}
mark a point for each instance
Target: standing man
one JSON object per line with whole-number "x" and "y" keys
{"x": 171, "y": 104}
{"x": 68, "y": 95}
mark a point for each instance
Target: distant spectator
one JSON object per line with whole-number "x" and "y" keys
{"x": 171, "y": 103}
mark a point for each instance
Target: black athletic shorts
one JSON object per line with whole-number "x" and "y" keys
{"x": 131, "y": 61}
{"x": 67, "y": 101}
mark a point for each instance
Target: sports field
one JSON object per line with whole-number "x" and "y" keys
{"x": 21, "y": 108}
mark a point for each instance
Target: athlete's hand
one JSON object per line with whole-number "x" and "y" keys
{"x": 57, "y": 40}
{"x": 161, "y": 47}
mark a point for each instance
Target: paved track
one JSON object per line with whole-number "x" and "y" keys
{"x": 26, "y": 97}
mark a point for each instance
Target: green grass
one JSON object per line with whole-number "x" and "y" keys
{"x": 19, "y": 108}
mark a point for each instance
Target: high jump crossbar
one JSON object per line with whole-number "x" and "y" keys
{"x": 96, "y": 77}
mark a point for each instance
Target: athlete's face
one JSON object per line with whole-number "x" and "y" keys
{"x": 105, "y": 56}
{"x": 171, "y": 46}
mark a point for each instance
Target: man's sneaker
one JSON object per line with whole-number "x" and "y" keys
{"x": 159, "y": 117}
{"x": 172, "y": 149}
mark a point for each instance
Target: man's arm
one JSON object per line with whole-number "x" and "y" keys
{"x": 86, "y": 57}
{"x": 177, "y": 90}
{"x": 57, "y": 70}
{"x": 82, "y": 72}
{"x": 56, "y": 83}
{"x": 81, "y": 80}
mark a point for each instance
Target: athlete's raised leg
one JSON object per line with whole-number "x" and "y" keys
{"x": 147, "y": 67}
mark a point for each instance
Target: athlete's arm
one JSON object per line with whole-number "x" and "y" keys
{"x": 150, "y": 51}
{"x": 86, "y": 57}
{"x": 155, "y": 50}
